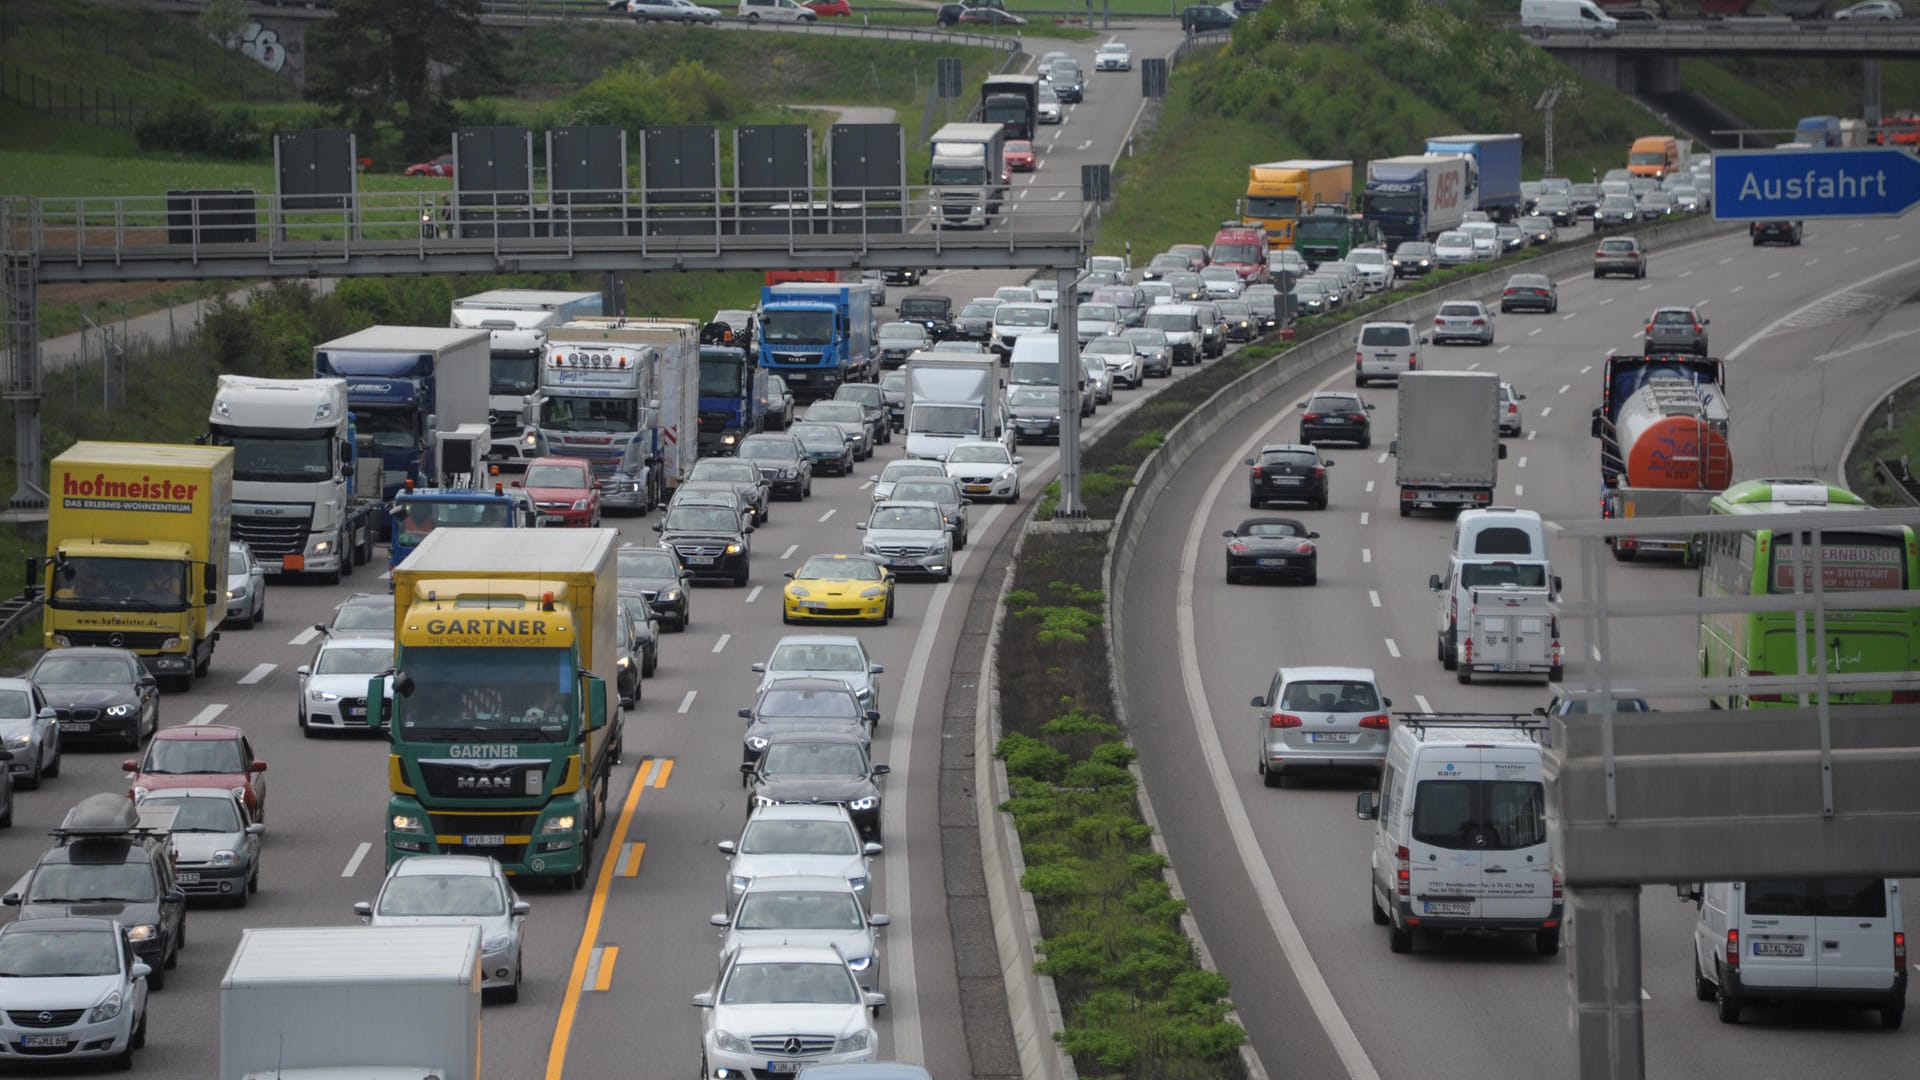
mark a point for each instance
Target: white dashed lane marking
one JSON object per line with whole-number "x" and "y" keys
{"x": 1392, "y": 649}
{"x": 259, "y": 672}
{"x": 1373, "y": 598}
{"x": 206, "y": 715}
{"x": 828, "y": 514}
{"x": 791, "y": 548}
{"x": 1421, "y": 700}
{"x": 305, "y": 636}
{"x": 686, "y": 703}
{"x": 754, "y": 593}
{"x": 354, "y": 860}
{"x": 722, "y": 643}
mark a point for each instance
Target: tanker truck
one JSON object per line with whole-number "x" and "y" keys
{"x": 1670, "y": 439}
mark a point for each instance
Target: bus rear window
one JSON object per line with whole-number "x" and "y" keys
{"x": 1850, "y": 562}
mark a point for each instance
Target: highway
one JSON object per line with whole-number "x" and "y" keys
{"x": 1815, "y": 335}
{"x": 639, "y": 940}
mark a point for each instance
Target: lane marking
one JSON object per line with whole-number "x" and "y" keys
{"x": 1849, "y": 251}
{"x": 1686, "y": 273}
{"x": 1644, "y": 996}
{"x": 1645, "y": 287}
{"x": 206, "y": 715}
{"x": 1738, "y": 288}
{"x": 722, "y": 643}
{"x": 305, "y": 636}
{"x": 1863, "y": 346}
{"x": 1473, "y": 366}
{"x": 1566, "y": 387}
{"x": 1568, "y": 315}
{"x": 686, "y": 703}
{"x": 1363, "y": 517}
{"x": 1523, "y": 461}
{"x": 1586, "y": 369}
{"x": 788, "y": 554}
{"x": 1503, "y": 348}
{"x": 1366, "y": 555}
{"x": 599, "y": 974}
{"x": 1421, "y": 700}
{"x": 1726, "y": 260}
{"x": 1392, "y": 649}
{"x": 753, "y": 594}
{"x": 1383, "y": 459}
{"x": 1519, "y": 490}
{"x": 1545, "y": 412}
{"x": 830, "y": 512}
{"x": 665, "y": 770}
{"x": 867, "y": 483}
{"x": 353, "y": 861}
{"x": 259, "y": 672}
{"x": 1535, "y": 331}
{"x": 630, "y": 861}
{"x": 584, "y": 954}
{"x": 1768, "y": 330}
{"x": 1373, "y": 597}
{"x": 1773, "y": 275}
{"x": 1812, "y": 261}
{"x": 1369, "y": 487}
{"x": 1531, "y": 434}
{"x": 1606, "y": 301}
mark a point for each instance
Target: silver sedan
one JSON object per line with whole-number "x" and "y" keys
{"x": 458, "y": 890}
{"x": 246, "y": 587}
{"x": 31, "y": 730}
{"x": 1113, "y": 56}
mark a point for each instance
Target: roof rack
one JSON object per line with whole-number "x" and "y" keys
{"x": 112, "y": 816}
{"x": 1527, "y": 722}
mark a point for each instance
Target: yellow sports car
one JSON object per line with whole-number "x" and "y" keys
{"x": 837, "y": 588}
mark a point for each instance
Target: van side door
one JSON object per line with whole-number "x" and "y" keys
{"x": 1853, "y": 934}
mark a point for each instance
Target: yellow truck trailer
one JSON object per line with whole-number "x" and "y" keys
{"x": 137, "y": 552}
{"x": 1281, "y": 192}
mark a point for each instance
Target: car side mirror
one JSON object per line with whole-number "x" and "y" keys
{"x": 703, "y": 1001}
{"x": 876, "y": 1000}
{"x": 363, "y": 909}
{"x": 727, "y": 847}
{"x": 878, "y": 921}
{"x": 129, "y": 765}
{"x": 1365, "y": 808}
{"x": 873, "y": 716}
{"x": 139, "y": 971}
{"x": 149, "y": 679}
{"x": 1313, "y": 535}
{"x": 258, "y": 828}
{"x": 746, "y": 714}
{"x": 12, "y": 899}
{"x": 303, "y": 669}
{"x": 757, "y": 666}
{"x": 1386, "y": 702}
{"x": 1540, "y": 710}
{"x": 1369, "y": 406}
{"x": 1259, "y": 701}
{"x": 745, "y": 530}
{"x": 1433, "y": 582}
{"x": 258, "y": 766}
{"x": 1688, "y": 893}
{"x": 1424, "y": 339}
{"x": 861, "y": 525}
{"x": 746, "y": 769}
{"x": 882, "y": 769}
{"x": 1522, "y": 397}
{"x": 1248, "y": 461}
{"x": 785, "y": 574}
{"x": 521, "y": 908}
{"x": 1228, "y": 533}
{"x": 1018, "y": 460}
{"x": 878, "y": 669}
{"x": 871, "y": 848}
{"x": 175, "y": 896}
{"x": 659, "y": 526}
{"x": 1556, "y": 583}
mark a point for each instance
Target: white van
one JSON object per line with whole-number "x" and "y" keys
{"x": 777, "y": 11}
{"x": 1013, "y": 320}
{"x": 1566, "y": 15}
{"x": 1499, "y": 532}
{"x": 1036, "y": 362}
{"x": 1837, "y": 941}
{"x": 1460, "y": 834}
{"x": 1498, "y": 548}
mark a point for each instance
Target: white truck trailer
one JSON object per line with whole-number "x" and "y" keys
{"x": 1448, "y": 452}
{"x": 517, "y": 322}
{"x": 359, "y": 1002}
{"x": 968, "y": 175}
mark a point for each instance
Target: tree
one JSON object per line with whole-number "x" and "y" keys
{"x": 222, "y": 20}
{"x": 401, "y": 62}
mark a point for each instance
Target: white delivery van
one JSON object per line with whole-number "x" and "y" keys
{"x": 1566, "y": 15}
{"x": 1499, "y": 532}
{"x": 1530, "y": 579}
{"x": 1835, "y": 941}
{"x": 1460, "y": 832}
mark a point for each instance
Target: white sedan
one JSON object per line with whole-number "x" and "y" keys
{"x": 333, "y": 688}
{"x": 458, "y": 890}
{"x": 1050, "y": 112}
{"x": 1113, "y": 56}
{"x": 985, "y": 470}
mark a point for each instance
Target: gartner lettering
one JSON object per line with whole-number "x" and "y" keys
{"x": 488, "y": 626}
{"x": 1841, "y": 185}
{"x": 482, "y": 750}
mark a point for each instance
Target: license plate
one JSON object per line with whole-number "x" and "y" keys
{"x": 354, "y": 710}
{"x": 699, "y": 560}
{"x": 1275, "y": 562}
{"x": 1332, "y": 736}
{"x": 552, "y": 519}
{"x": 1509, "y": 667}
{"x": 188, "y": 878}
{"x": 45, "y": 1040}
{"x": 784, "y": 1066}
{"x": 1333, "y": 419}
{"x": 1385, "y": 356}
{"x": 1779, "y": 948}
{"x": 798, "y": 376}
{"x": 979, "y": 489}
{"x": 812, "y": 605}
{"x": 483, "y": 840}
{"x": 1284, "y": 481}
{"x": 1448, "y": 907}
{"x": 75, "y": 725}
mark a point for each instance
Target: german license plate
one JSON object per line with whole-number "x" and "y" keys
{"x": 798, "y": 376}
{"x": 552, "y": 519}
{"x": 1779, "y": 948}
{"x": 812, "y": 605}
{"x": 784, "y": 1066}
{"x": 75, "y": 725}
{"x": 45, "y": 1040}
{"x": 1385, "y": 357}
{"x": 699, "y": 560}
{"x": 979, "y": 489}
{"x": 1333, "y": 419}
{"x": 483, "y": 839}
{"x": 1448, "y": 907}
{"x": 1273, "y": 562}
{"x": 1332, "y": 736}
{"x": 1509, "y": 667}
{"x": 187, "y": 877}
{"x": 355, "y": 711}
{"x": 1284, "y": 481}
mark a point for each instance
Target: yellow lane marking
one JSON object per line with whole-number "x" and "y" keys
{"x": 596, "y": 910}
{"x": 666, "y": 770}
{"x": 603, "y": 974}
{"x": 630, "y": 866}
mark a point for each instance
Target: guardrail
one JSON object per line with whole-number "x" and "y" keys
{"x": 1884, "y": 39}
{"x": 16, "y": 612}
{"x": 1901, "y": 478}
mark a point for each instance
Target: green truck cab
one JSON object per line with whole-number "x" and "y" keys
{"x": 503, "y": 740}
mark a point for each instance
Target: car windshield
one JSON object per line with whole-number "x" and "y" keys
{"x": 354, "y": 660}
{"x": 442, "y": 894}
{"x": 764, "y": 837}
{"x": 790, "y": 984}
{"x": 921, "y": 489}
{"x": 1235, "y": 309}
{"x": 1147, "y": 335}
{"x": 767, "y": 449}
{"x": 1007, "y": 315}
{"x": 376, "y": 614}
{"x": 769, "y": 910}
{"x": 823, "y": 569}
{"x": 1034, "y": 395}
{"x": 710, "y": 519}
{"x": 1527, "y": 281}
{"x": 813, "y": 759}
{"x": 820, "y": 437}
{"x": 1386, "y": 336}
{"x": 1109, "y": 347}
{"x": 995, "y": 454}
{"x": 1671, "y": 317}
{"x": 1414, "y": 251}
{"x": 1176, "y": 321}
{"x": 1617, "y": 247}
{"x": 1099, "y": 313}
{"x": 201, "y": 813}
{"x": 90, "y": 883}
{"x": 818, "y": 656}
{"x": 836, "y": 412}
{"x": 238, "y": 561}
{"x": 981, "y": 310}
{"x": 1330, "y": 695}
{"x": 900, "y": 470}
{"x": 1480, "y": 815}
{"x": 179, "y": 756}
{"x": 15, "y": 705}
{"x": 26, "y": 953}
{"x": 1493, "y": 575}
{"x": 730, "y": 472}
{"x": 834, "y": 704}
{"x": 647, "y": 563}
{"x": 556, "y": 476}
{"x": 893, "y": 381}
{"x": 1453, "y": 239}
{"x": 916, "y": 518}
{"x": 902, "y": 332}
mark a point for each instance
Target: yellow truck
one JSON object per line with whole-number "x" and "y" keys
{"x": 1281, "y": 192}
{"x": 137, "y": 552}
{"x": 503, "y": 741}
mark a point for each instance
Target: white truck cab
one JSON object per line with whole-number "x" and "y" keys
{"x": 1460, "y": 832}
{"x": 1833, "y": 941}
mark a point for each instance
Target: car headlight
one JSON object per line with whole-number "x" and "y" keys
{"x": 142, "y": 932}
{"x": 322, "y": 695}
{"x": 108, "y": 1008}
{"x": 857, "y": 882}
{"x": 860, "y": 963}
{"x": 733, "y": 549}
{"x": 623, "y": 663}
{"x": 873, "y": 592}
{"x": 731, "y": 1043}
{"x": 579, "y": 504}
{"x": 788, "y": 472}
{"x": 739, "y": 882}
{"x": 224, "y": 858}
{"x": 16, "y": 742}
{"x": 119, "y": 710}
{"x": 561, "y": 824}
{"x": 231, "y": 595}
{"x": 757, "y": 742}
{"x": 139, "y": 792}
{"x": 857, "y": 1041}
{"x": 864, "y": 803}
{"x": 497, "y": 943}
{"x": 407, "y": 823}
{"x": 667, "y": 595}
{"x": 797, "y": 591}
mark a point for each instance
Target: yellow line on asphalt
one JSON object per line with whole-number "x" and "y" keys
{"x": 603, "y": 975}
{"x": 596, "y": 909}
{"x": 630, "y": 866}
{"x": 666, "y": 770}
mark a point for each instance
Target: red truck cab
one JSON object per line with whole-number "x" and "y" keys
{"x": 1242, "y": 247}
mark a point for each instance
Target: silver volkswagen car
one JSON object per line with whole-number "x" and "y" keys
{"x": 458, "y": 890}
{"x": 1319, "y": 718}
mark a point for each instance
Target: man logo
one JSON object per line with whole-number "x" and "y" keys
{"x": 483, "y": 783}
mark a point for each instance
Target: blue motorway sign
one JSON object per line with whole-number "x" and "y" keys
{"x": 1772, "y": 185}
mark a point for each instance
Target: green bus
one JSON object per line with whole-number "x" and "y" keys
{"x": 1758, "y": 562}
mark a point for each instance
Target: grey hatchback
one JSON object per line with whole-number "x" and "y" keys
{"x": 1321, "y": 717}
{"x": 1676, "y": 330}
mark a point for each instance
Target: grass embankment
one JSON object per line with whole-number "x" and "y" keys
{"x": 1773, "y": 94}
{"x": 1348, "y": 80}
{"x": 1892, "y": 433}
{"x": 1136, "y": 1003}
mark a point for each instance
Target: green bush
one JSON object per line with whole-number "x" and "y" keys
{"x": 1030, "y": 758}
{"x": 189, "y": 126}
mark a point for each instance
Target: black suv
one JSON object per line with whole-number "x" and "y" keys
{"x": 113, "y": 860}
{"x": 1287, "y": 472}
{"x": 819, "y": 767}
{"x": 1336, "y": 416}
{"x": 782, "y": 461}
{"x": 710, "y": 540}
{"x": 931, "y": 310}
{"x": 1768, "y": 232}
{"x": 1202, "y": 17}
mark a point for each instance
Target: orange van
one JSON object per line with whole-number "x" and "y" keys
{"x": 1654, "y": 155}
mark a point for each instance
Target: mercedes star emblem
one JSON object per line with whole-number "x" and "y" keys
{"x": 793, "y": 1045}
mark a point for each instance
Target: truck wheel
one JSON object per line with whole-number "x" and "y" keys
{"x": 1620, "y": 552}
{"x": 1464, "y": 674}
{"x": 1450, "y": 648}
{"x": 202, "y": 666}
{"x": 346, "y": 556}
{"x": 1729, "y": 1006}
{"x": 1406, "y": 508}
{"x": 1379, "y": 913}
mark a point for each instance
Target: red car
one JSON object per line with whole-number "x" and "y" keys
{"x": 206, "y": 756}
{"x": 440, "y": 166}
{"x": 1019, "y": 155}
{"x": 827, "y": 9}
{"x": 564, "y": 491}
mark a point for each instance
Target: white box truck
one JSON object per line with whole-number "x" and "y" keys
{"x": 951, "y": 399}
{"x": 1448, "y": 452}
{"x": 625, "y": 395}
{"x": 517, "y": 320}
{"x": 358, "y": 1002}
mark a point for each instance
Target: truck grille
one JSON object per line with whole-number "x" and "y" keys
{"x": 273, "y": 538}
{"x": 504, "y": 425}
{"x": 778, "y": 1045}
{"x": 469, "y": 824}
{"x": 713, "y": 423}
{"x": 510, "y": 779}
{"x": 604, "y": 458}
{"x": 118, "y": 639}
{"x": 43, "y": 1018}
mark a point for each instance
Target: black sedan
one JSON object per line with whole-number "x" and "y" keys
{"x": 1336, "y": 416}
{"x": 1530, "y": 292}
{"x": 1036, "y": 413}
{"x": 710, "y": 541}
{"x": 802, "y": 704}
{"x": 99, "y": 693}
{"x": 1287, "y": 473}
{"x": 1272, "y": 547}
{"x": 819, "y": 767}
{"x": 661, "y": 581}
{"x": 827, "y": 447}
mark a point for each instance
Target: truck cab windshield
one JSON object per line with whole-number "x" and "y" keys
{"x": 513, "y": 372}
{"x": 127, "y": 584}
{"x": 1272, "y": 206}
{"x": 720, "y": 375}
{"x": 460, "y": 693}
{"x": 282, "y": 460}
{"x": 392, "y": 429}
{"x": 1393, "y": 204}
{"x": 590, "y": 414}
{"x": 944, "y": 175}
{"x": 779, "y": 327}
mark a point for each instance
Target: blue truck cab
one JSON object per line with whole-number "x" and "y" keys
{"x": 816, "y": 335}
{"x": 1823, "y": 131}
{"x": 416, "y": 512}
{"x": 733, "y": 398}
{"x": 405, "y": 386}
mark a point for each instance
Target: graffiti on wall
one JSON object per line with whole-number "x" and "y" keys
{"x": 262, "y": 44}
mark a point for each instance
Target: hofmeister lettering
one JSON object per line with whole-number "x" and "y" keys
{"x": 99, "y": 487}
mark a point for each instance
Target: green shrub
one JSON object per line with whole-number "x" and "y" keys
{"x": 1028, "y": 757}
{"x": 189, "y": 126}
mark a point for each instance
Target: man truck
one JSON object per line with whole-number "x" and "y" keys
{"x": 137, "y": 538}
{"x": 1420, "y": 196}
{"x": 405, "y": 385}
{"x": 1448, "y": 452}
{"x": 733, "y": 398}
{"x": 816, "y": 336}
{"x": 516, "y": 321}
{"x": 625, "y": 395}
{"x": 305, "y": 498}
{"x": 951, "y": 399}
{"x": 1013, "y": 102}
{"x": 366, "y": 1002}
{"x": 1496, "y": 160}
{"x": 1281, "y": 192}
{"x": 503, "y": 742}
{"x": 967, "y": 175}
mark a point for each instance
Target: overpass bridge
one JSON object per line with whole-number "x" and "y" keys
{"x": 1644, "y": 57}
